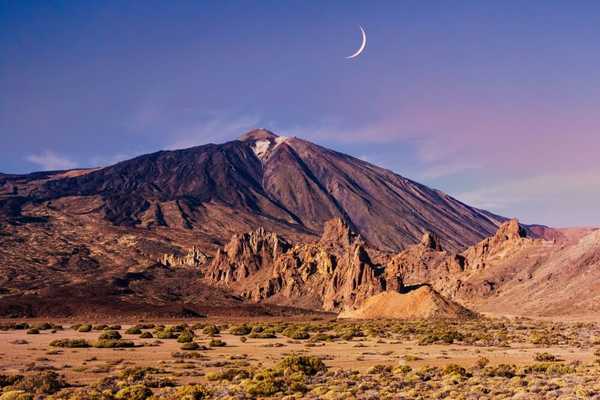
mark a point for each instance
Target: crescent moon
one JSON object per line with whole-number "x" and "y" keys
{"x": 363, "y": 44}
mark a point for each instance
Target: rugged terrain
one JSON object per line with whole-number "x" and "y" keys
{"x": 270, "y": 224}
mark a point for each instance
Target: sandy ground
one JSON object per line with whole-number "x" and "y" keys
{"x": 21, "y": 352}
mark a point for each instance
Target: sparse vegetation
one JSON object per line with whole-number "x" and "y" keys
{"x": 392, "y": 360}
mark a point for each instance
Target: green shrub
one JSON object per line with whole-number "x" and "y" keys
{"x": 263, "y": 334}
{"x": 240, "y": 330}
{"x": 47, "y": 382}
{"x": 16, "y": 395}
{"x": 217, "y": 343}
{"x": 146, "y": 335}
{"x": 110, "y": 335}
{"x": 33, "y": 331}
{"x": 135, "y": 392}
{"x": 211, "y": 330}
{"x": 502, "y": 370}
{"x": 111, "y": 343}
{"x": 44, "y": 326}
{"x": 228, "y": 374}
{"x": 70, "y": 343}
{"x": 190, "y": 346}
{"x": 166, "y": 334}
{"x": 546, "y": 357}
{"x": 134, "y": 330}
{"x": 296, "y": 333}
{"x": 454, "y": 369}
{"x": 137, "y": 374}
{"x": 549, "y": 368}
{"x": 308, "y": 365}
{"x": 190, "y": 392}
{"x": 185, "y": 337}
{"x": 84, "y": 328}
{"x": 379, "y": 369}
{"x": 100, "y": 327}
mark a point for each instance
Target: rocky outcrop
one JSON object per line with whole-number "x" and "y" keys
{"x": 333, "y": 273}
{"x": 193, "y": 258}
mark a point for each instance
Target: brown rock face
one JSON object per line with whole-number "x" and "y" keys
{"x": 193, "y": 258}
{"x": 335, "y": 272}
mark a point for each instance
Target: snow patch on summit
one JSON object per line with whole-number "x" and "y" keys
{"x": 263, "y": 148}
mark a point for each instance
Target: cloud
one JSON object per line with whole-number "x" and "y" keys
{"x": 556, "y": 195}
{"x": 49, "y": 160}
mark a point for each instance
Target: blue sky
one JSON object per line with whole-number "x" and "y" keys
{"x": 493, "y": 102}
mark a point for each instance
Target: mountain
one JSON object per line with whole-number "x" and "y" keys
{"x": 286, "y": 185}
{"x": 254, "y": 224}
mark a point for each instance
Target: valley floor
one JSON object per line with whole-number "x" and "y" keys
{"x": 320, "y": 358}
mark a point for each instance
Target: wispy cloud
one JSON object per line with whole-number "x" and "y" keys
{"x": 49, "y": 160}
{"x": 216, "y": 128}
{"x": 533, "y": 189}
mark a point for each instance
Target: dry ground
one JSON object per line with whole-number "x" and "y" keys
{"x": 374, "y": 350}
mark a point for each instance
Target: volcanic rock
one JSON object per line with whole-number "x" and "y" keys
{"x": 420, "y": 303}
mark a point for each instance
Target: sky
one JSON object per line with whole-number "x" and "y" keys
{"x": 496, "y": 103}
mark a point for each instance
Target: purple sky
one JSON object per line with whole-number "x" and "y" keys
{"x": 496, "y": 103}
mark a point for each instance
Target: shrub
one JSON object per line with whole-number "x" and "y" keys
{"x": 402, "y": 369}
{"x": 146, "y": 335}
{"x": 99, "y": 327}
{"x": 190, "y": 346}
{"x": 502, "y": 370}
{"x": 165, "y": 334}
{"x": 110, "y": 335}
{"x": 217, "y": 343}
{"x": 114, "y": 327}
{"x": 240, "y": 330}
{"x": 137, "y": 374}
{"x": 189, "y": 392}
{"x": 211, "y": 330}
{"x": 84, "y": 328}
{"x": 47, "y": 382}
{"x": 16, "y": 395}
{"x": 482, "y": 362}
{"x": 380, "y": 369}
{"x": 71, "y": 343}
{"x": 134, "y": 330}
{"x": 546, "y": 357}
{"x": 9, "y": 380}
{"x": 111, "y": 343}
{"x": 228, "y": 374}
{"x": 135, "y": 392}
{"x": 265, "y": 387}
{"x": 308, "y": 365}
{"x": 549, "y": 368}
{"x": 454, "y": 369}
{"x": 33, "y": 331}
{"x": 186, "y": 337}
{"x": 243, "y": 339}
{"x": 296, "y": 333}
{"x": 263, "y": 334}
{"x": 44, "y": 326}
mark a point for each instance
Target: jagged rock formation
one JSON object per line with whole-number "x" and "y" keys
{"x": 193, "y": 258}
{"x": 333, "y": 273}
{"x": 340, "y": 273}
{"x": 420, "y": 303}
